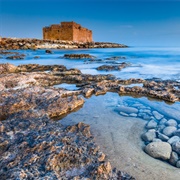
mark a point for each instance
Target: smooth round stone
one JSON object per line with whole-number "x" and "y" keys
{"x": 157, "y": 140}
{"x": 123, "y": 114}
{"x": 176, "y": 147}
{"x": 151, "y": 124}
{"x": 163, "y": 137}
{"x": 168, "y": 131}
{"x": 149, "y": 135}
{"x": 162, "y": 121}
{"x": 127, "y": 110}
{"x": 161, "y": 127}
{"x": 171, "y": 122}
{"x": 144, "y": 116}
{"x": 157, "y": 115}
{"x": 133, "y": 115}
{"x": 174, "y": 158}
{"x": 177, "y": 133}
{"x": 159, "y": 150}
{"x": 178, "y": 164}
{"x": 174, "y": 139}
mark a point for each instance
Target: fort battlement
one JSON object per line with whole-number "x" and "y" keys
{"x": 68, "y": 31}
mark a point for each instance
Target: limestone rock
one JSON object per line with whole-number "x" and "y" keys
{"x": 160, "y": 150}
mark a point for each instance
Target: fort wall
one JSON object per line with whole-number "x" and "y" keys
{"x": 69, "y": 31}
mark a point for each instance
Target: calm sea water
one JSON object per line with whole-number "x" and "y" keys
{"x": 146, "y": 62}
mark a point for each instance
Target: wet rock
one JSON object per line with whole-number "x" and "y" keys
{"x": 168, "y": 131}
{"x": 127, "y": 110}
{"x": 157, "y": 140}
{"x": 36, "y": 57}
{"x": 16, "y": 57}
{"x": 151, "y": 124}
{"x": 162, "y": 121}
{"x": 177, "y": 133}
{"x": 160, "y": 150}
{"x": 113, "y": 67}
{"x": 174, "y": 158}
{"x": 178, "y": 164}
{"x": 174, "y": 139}
{"x": 7, "y": 68}
{"x": 163, "y": 137}
{"x": 149, "y": 135}
{"x": 176, "y": 147}
{"x": 157, "y": 115}
{"x": 171, "y": 122}
{"x": 48, "y": 51}
{"x": 78, "y": 56}
{"x": 116, "y": 58}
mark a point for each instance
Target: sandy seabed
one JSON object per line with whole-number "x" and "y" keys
{"x": 120, "y": 139}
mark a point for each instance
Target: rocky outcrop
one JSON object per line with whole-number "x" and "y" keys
{"x": 113, "y": 67}
{"x": 36, "y": 147}
{"x": 15, "y": 43}
{"x": 78, "y": 56}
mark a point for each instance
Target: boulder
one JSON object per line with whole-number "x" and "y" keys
{"x": 159, "y": 150}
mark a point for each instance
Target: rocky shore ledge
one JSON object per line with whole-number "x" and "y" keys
{"x": 33, "y": 145}
{"x": 17, "y": 43}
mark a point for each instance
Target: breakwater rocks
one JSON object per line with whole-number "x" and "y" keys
{"x": 15, "y": 43}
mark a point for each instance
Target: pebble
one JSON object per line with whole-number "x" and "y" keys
{"x": 128, "y": 110}
{"x": 177, "y": 133}
{"x": 171, "y": 122}
{"x": 157, "y": 115}
{"x": 151, "y": 124}
{"x": 173, "y": 139}
{"x": 174, "y": 158}
{"x": 168, "y": 131}
{"x": 163, "y": 137}
{"x": 176, "y": 147}
{"x": 178, "y": 164}
{"x": 149, "y": 135}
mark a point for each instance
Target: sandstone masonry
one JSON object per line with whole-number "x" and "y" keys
{"x": 68, "y": 31}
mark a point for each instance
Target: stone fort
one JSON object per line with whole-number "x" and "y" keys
{"x": 68, "y": 31}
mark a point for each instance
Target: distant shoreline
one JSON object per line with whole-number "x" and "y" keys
{"x": 28, "y": 43}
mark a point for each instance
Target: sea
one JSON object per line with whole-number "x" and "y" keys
{"x": 119, "y": 135}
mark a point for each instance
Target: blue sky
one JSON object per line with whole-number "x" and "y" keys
{"x": 131, "y": 22}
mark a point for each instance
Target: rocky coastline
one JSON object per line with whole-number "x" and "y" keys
{"x": 29, "y": 104}
{"x": 17, "y": 43}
